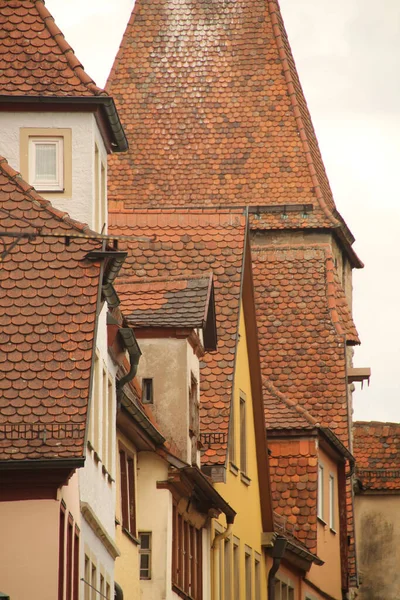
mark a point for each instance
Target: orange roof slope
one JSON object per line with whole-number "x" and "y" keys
{"x": 377, "y": 453}
{"x": 304, "y": 324}
{"x": 187, "y": 243}
{"x": 162, "y": 302}
{"x": 281, "y": 413}
{"x": 294, "y": 482}
{"x": 48, "y": 294}
{"x": 214, "y": 111}
{"x": 35, "y": 59}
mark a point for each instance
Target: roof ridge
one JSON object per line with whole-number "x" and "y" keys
{"x": 121, "y": 47}
{"x": 66, "y": 49}
{"x": 377, "y": 423}
{"x": 172, "y": 279}
{"x": 31, "y": 193}
{"x": 292, "y": 404}
{"x": 117, "y": 206}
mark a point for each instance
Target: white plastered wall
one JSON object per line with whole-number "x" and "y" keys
{"x": 85, "y": 134}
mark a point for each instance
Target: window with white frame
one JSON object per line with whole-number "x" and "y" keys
{"x": 46, "y": 163}
{"x": 332, "y": 495}
{"x": 321, "y": 492}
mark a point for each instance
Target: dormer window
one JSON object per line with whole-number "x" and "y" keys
{"x": 46, "y": 164}
{"x": 46, "y": 159}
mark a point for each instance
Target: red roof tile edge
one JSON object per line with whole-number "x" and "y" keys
{"x": 277, "y": 29}
{"x": 30, "y": 191}
{"x": 292, "y": 404}
{"x": 66, "y": 49}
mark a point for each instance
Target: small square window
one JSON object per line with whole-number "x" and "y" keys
{"x": 46, "y": 163}
{"x": 147, "y": 391}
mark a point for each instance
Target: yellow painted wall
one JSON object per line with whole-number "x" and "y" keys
{"x": 243, "y": 497}
{"x": 126, "y": 565}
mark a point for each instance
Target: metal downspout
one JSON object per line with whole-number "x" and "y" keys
{"x": 278, "y": 551}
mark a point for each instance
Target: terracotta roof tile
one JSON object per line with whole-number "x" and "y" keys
{"x": 189, "y": 243}
{"x": 302, "y": 330}
{"x": 48, "y": 297}
{"x": 294, "y": 473}
{"x": 377, "y": 452}
{"x": 35, "y": 59}
{"x": 217, "y": 84}
{"x": 165, "y": 302}
{"x": 283, "y": 413}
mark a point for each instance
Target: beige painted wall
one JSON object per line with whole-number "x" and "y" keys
{"x": 29, "y": 549}
{"x": 170, "y": 362}
{"x": 155, "y": 516}
{"x": 328, "y": 576}
{"x": 378, "y": 546}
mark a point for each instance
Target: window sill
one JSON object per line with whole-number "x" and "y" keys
{"x": 246, "y": 480}
{"x": 320, "y": 519}
{"x": 333, "y": 531}
{"x": 41, "y": 190}
{"x": 233, "y": 468}
{"x": 133, "y": 539}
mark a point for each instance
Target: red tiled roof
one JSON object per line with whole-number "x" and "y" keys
{"x": 35, "y": 59}
{"x": 160, "y": 302}
{"x": 303, "y": 323}
{"x": 215, "y": 112}
{"x": 376, "y": 447}
{"x": 188, "y": 243}
{"x": 294, "y": 485}
{"x": 283, "y": 413}
{"x": 48, "y": 295}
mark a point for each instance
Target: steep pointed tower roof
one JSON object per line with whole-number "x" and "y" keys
{"x": 215, "y": 113}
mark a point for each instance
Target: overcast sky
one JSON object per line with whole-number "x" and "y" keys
{"x": 348, "y": 56}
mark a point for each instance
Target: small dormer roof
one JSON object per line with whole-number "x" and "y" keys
{"x": 186, "y": 302}
{"x": 36, "y": 62}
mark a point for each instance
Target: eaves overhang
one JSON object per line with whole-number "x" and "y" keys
{"x": 202, "y": 483}
{"x": 338, "y": 445}
{"x": 106, "y": 104}
{"x": 137, "y": 414}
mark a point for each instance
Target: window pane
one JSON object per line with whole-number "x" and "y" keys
{"x": 144, "y": 561}
{"x": 144, "y": 541}
{"x": 46, "y": 162}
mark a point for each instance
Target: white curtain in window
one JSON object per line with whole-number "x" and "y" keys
{"x": 46, "y": 162}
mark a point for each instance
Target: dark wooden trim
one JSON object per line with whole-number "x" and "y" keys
{"x": 32, "y": 484}
{"x": 132, "y": 492}
{"x": 187, "y": 567}
{"x": 124, "y": 490}
{"x": 70, "y": 540}
{"x": 76, "y": 563}
{"x": 61, "y": 551}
